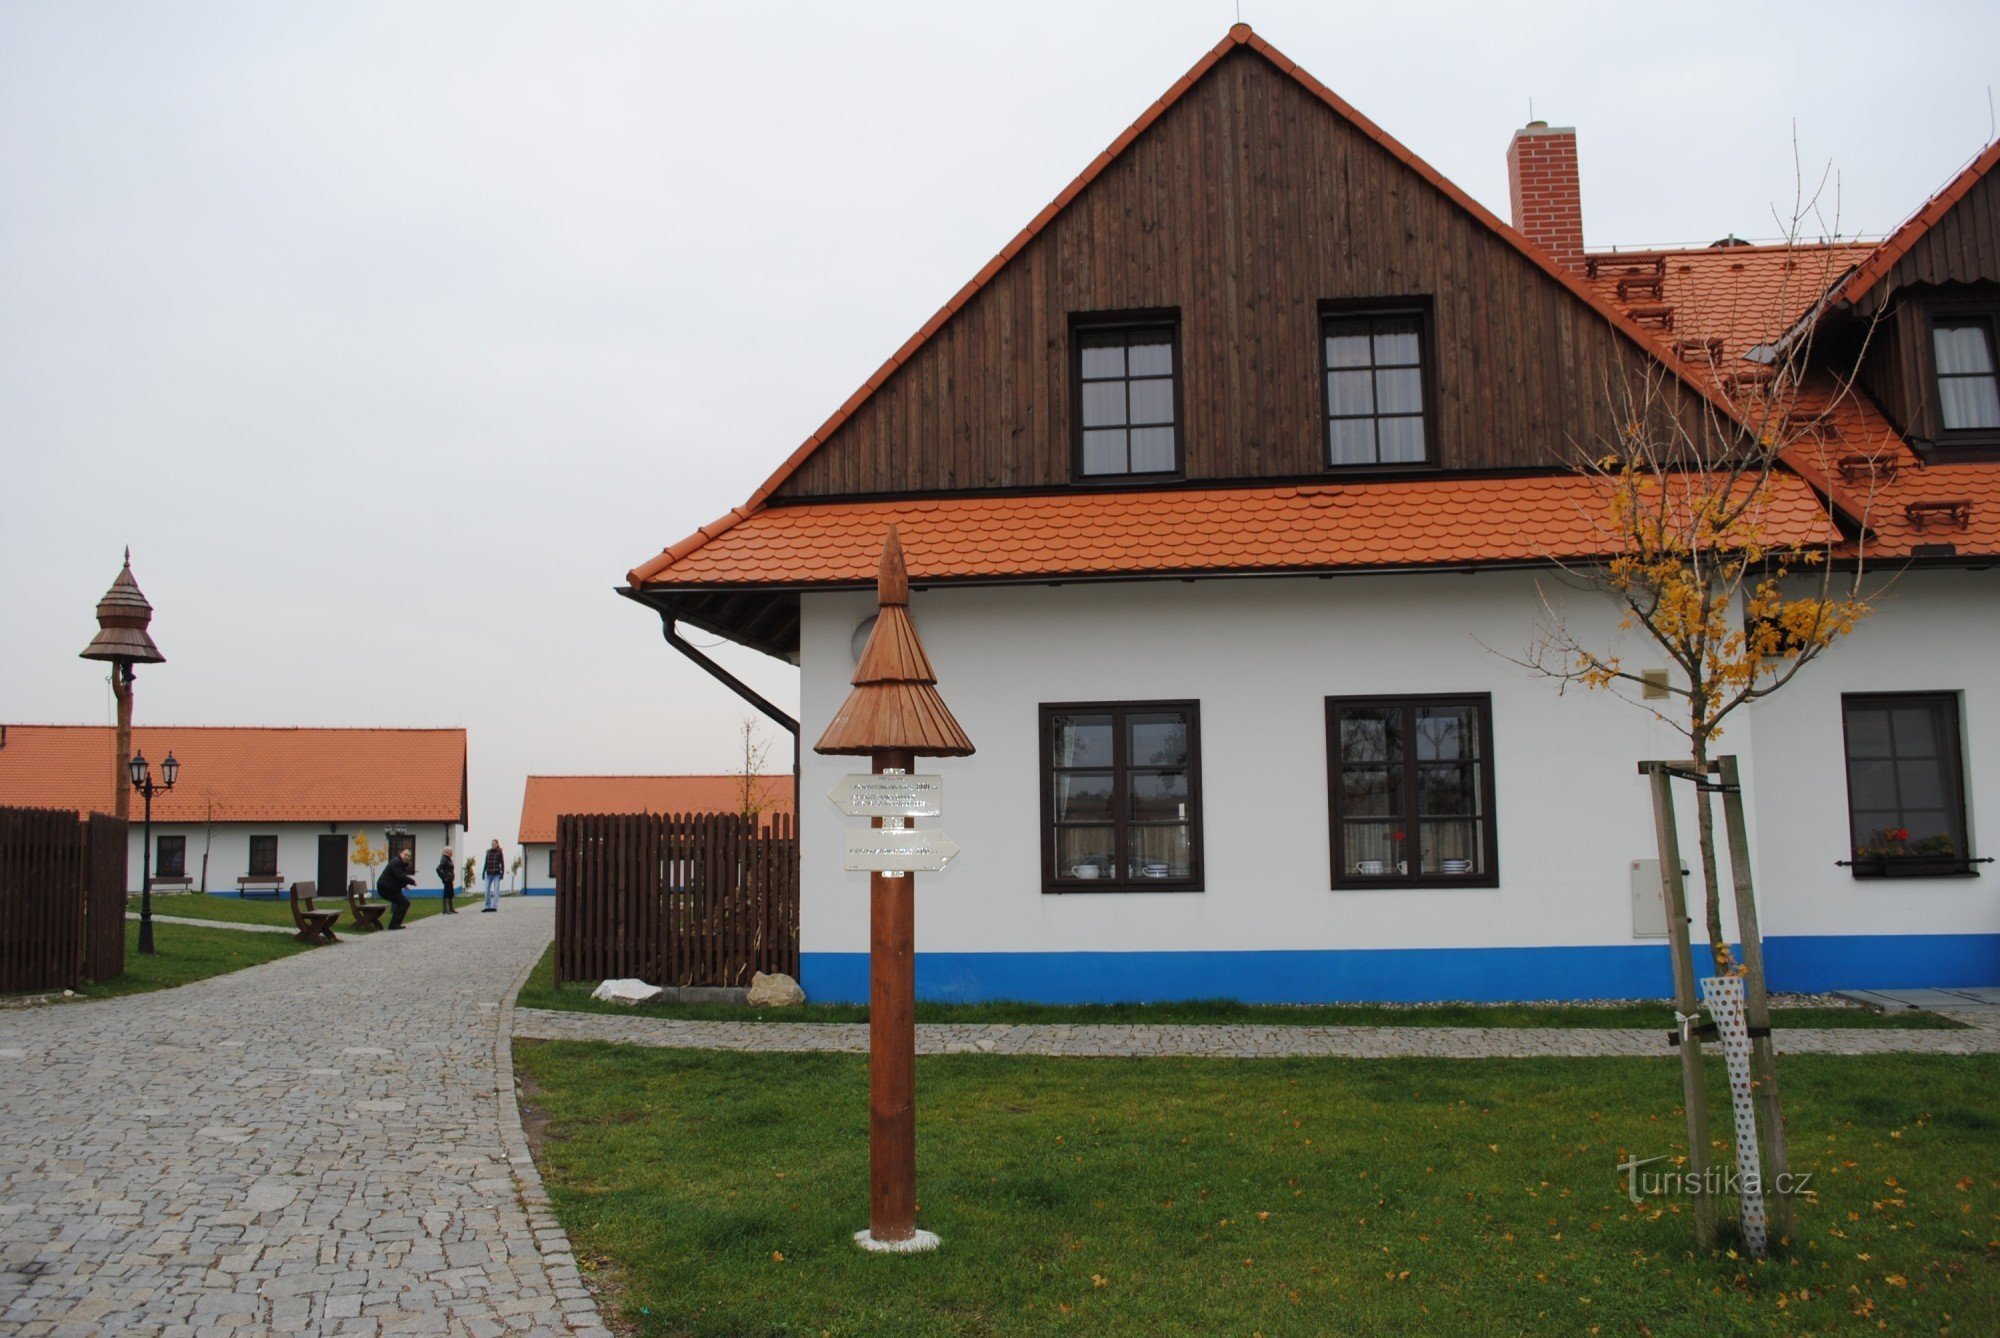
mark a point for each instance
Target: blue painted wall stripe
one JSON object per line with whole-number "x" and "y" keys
{"x": 1404, "y": 975}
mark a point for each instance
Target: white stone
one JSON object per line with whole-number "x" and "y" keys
{"x": 776, "y": 990}
{"x": 920, "y": 1241}
{"x": 627, "y": 991}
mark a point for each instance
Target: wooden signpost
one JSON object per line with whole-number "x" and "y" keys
{"x": 893, "y": 716}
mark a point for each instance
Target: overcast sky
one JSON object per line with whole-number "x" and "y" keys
{"x": 391, "y": 335}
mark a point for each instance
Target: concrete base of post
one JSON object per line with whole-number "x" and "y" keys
{"x": 919, "y": 1242}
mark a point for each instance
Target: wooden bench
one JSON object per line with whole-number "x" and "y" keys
{"x": 315, "y": 925}
{"x": 272, "y": 883}
{"x": 177, "y": 883}
{"x": 367, "y": 914}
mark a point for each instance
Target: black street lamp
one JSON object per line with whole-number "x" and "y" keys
{"x": 142, "y": 781}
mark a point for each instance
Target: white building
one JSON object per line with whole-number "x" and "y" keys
{"x": 256, "y": 809}
{"x": 1248, "y": 456}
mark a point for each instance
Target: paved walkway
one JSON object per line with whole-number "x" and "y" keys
{"x": 217, "y": 924}
{"x": 1235, "y": 1042}
{"x": 327, "y": 1143}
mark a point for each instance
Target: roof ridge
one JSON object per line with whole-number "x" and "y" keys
{"x": 657, "y": 775}
{"x": 268, "y": 729}
{"x": 1897, "y": 244}
{"x": 1239, "y": 35}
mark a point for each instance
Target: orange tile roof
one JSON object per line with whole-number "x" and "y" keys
{"x": 1416, "y": 523}
{"x": 548, "y": 796}
{"x": 1750, "y": 295}
{"x": 252, "y": 774}
{"x": 1239, "y": 36}
{"x": 1742, "y": 295}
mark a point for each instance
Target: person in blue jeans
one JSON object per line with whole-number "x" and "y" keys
{"x": 495, "y": 870}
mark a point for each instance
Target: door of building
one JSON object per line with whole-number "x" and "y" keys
{"x": 333, "y": 866}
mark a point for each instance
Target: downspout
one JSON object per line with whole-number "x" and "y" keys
{"x": 741, "y": 689}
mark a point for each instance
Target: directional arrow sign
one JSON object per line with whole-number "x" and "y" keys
{"x": 865, "y": 796}
{"x": 911, "y": 850}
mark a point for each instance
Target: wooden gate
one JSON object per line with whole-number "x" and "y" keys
{"x": 62, "y": 898}
{"x": 684, "y": 899}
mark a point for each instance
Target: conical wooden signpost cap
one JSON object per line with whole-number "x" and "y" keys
{"x": 895, "y": 703}
{"x": 123, "y": 616}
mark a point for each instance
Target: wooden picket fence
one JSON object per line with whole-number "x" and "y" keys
{"x": 62, "y": 898}
{"x": 679, "y": 899}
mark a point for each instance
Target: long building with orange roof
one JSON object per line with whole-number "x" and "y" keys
{"x": 1233, "y": 492}
{"x": 257, "y": 808}
{"x": 546, "y": 798}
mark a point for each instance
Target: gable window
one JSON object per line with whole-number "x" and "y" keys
{"x": 1410, "y": 787}
{"x": 170, "y": 858}
{"x": 1121, "y": 797}
{"x": 263, "y": 857}
{"x": 1905, "y": 785}
{"x": 1968, "y": 375}
{"x": 1127, "y": 399}
{"x": 1375, "y": 392}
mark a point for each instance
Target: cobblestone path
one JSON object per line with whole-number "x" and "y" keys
{"x": 323, "y": 1144}
{"x": 1234, "y": 1042}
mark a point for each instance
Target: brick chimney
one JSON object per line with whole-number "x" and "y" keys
{"x": 1542, "y": 183}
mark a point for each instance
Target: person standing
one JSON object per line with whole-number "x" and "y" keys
{"x": 495, "y": 870}
{"x": 448, "y": 876}
{"x": 395, "y": 877}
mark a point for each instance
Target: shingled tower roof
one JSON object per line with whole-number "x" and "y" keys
{"x": 895, "y": 703}
{"x": 122, "y": 618}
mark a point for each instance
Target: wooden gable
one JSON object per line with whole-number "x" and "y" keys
{"x": 1245, "y": 206}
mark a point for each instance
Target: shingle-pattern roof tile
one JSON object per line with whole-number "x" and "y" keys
{"x": 251, "y": 774}
{"x": 1432, "y": 522}
{"x": 548, "y": 797}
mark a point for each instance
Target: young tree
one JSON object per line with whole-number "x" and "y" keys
{"x": 207, "y": 833}
{"x": 368, "y": 856}
{"x": 754, "y": 787}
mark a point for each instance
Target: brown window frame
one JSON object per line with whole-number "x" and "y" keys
{"x": 1966, "y": 443}
{"x": 178, "y": 868}
{"x": 1083, "y": 325}
{"x": 1487, "y": 817}
{"x": 1056, "y": 881}
{"x": 1419, "y": 308}
{"x": 1951, "y": 762}
{"x": 256, "y": 868}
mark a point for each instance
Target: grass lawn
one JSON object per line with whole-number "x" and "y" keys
{"x": 187, "y": 952}
{"x": 262, "y": 911}
{"x": 541, "y": 991}
{"x": 717, "y": 1193}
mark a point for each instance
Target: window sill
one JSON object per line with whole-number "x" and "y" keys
{"x": 1064, "y": 889}
{"x": 1428, "y": 883}
{"x": 1912, "y": 866}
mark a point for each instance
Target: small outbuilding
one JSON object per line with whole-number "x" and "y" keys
{"x": 547, "y": 797}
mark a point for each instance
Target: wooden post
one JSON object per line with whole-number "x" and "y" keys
{"x": 892, "y": 1042}
{"x": 121, "y": 688}
{"x": 1694, "y": 1094}
{"x": 1757, "y": 1008}
{"x": 893, "y": 716}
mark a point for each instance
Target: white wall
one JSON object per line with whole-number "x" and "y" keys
{"x": 535, "y": 875}
{"x": 1261, "y": 656}
{"x": 1933, "y": 632}
{"x": 298, "y": 850}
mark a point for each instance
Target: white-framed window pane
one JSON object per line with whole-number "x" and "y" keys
{"x": 1104, "y": 452}
{"x": 1152, "y": 450}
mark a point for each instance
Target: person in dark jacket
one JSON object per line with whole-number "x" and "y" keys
{"x": 447, "y": 875}
{"x": 495, "y": 870}
{"x": 395, "y": 877}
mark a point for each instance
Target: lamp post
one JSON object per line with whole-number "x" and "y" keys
{"x": 142, "y": 781}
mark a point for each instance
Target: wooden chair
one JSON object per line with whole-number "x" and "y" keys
{"x": 367, "y": 914}
{"x": 315, "y": 926}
